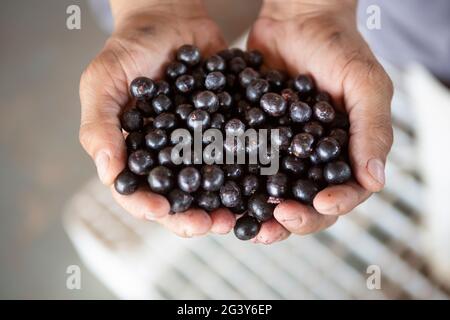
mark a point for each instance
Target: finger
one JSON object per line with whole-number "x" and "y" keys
{"x": 194, "y": 222}
{"x": 143, "y": 204}
{"x": 222, "y": 221}
{"x": 368, "y": 94}
{"x": 300, "y": 219}
{"x": 271, "y": 231}
{"x": 340, "y": 199}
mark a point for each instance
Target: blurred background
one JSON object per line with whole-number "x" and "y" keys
{"x": 53, "y": 214}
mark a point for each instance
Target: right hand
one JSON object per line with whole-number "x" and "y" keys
{"x": 142, "y": 43}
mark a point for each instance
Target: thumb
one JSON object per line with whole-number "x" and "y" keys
{"x": 368, "y": 93}
{"x": 100, "y": 130}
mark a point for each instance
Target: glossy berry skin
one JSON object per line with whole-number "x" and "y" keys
{"x": 189, "y": 54}
{"x": 134, "y": 141}
{"x": 145, "y": 108}
{"x": 324, "y": 112}
{"x": 275, "y": 79}
{"x": 246, "y": 228}
{"x": 162, "y": 87}
{"x": 142, "y": 88}
{"x": 304, "y": 191}
{"x": 230, "y": 194}
{"x": 234, "y": 171}
{"x": 179, "y": 200}
{"x": 302, "y": 145}
{"x": 161, "y": 180}
{"x": 304, "y": 84}
{"x": 189, "y": 179}
{"x": 315, "y": 174}
{"x": 337, "y": 172}
{"x": 250, "y": 184}
{"x": 199, "y": 119}
{"x": 185, "y": 83}
{"x": 256, "y": 88}
{"x": 255, "y": 117}
{"x": 206, "y": 100}
{"x": 314, "y": 128}
{"x": 259, "y": 207}
{"x": 300, "y": 112}
{"x": 175, "y": 69}
{"x": 253, "y": 58}
{"x": 126, "y": 182}
{"x": 208, "y": 200}
{"x": 156, "y": 139}
{"x": 234, "y": 127}
{"x": 293, "y": 166}
{"x": 161, "y": 103}
{"x": 277, "y": 185}
{"x": 289, "y": 95}
{"x": 213, "y": 177}
{"x": 217, "y": 121}
{"x": 328, "y": 149}
{"x": 140, "y": 162}
{"x": 340, "y": 135}
{"x": 225, "y": 101}
{"x": 215, "y": 63}
{"x": 132, "y": 120}
{"x": 284, "y": 138}
{"x": 183, "y": 111}
{"x": 273, "y": 104}
{"x": 165, "y": 157}
{"x": 240, "y": 208}
{"x": 236, "y": 65}
{"x": 165, "y": 120}
{"x": 246, "y": 76}
{"x": 322, "y": 96}
{"x": 215, "y": 81}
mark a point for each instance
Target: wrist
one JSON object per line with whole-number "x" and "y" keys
{"x": 286, "y": 9}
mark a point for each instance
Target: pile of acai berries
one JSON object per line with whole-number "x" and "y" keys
{"x": 232, "y": 91}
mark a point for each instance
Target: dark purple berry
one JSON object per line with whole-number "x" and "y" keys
{"x": 206, "y": 100}
{"x": 234, "y": 127}
{"x": 253, "y": 58}
{"x": 134, "y": 141}
{"x": 277, "y": 185}
{"x": 183, "y": 111}
{"x": 215, "y": 63}
{"x": 275, "y": 78}
{"x": 142, "y": 88}
{"x": 217, "y": 120}
{"x": 304, "y": 84}
{"x": 156, "y": 139}
{"x": 337, "y": 172}
{"x": 212, "y": 177}
{"x": 179, "y": 200}
{"x": 255, "y": 117}
{"x": 256, "y": 88}
{"x": 250, "y": 184}
{"x": 208, "y": 200}
{"x": 161, "y": 180}
{"x": 185, "y": 83}
{"x": 189, "y": 54}
{"x": 246, "y": 228}
{"x": 165, "y": 120}
{"x": 145, "y": 107}
{"x": 165, "y": 157}
{"x": 314, "y": 128}
{"x": 140, "y": 162}
{"x": 126, "y": 182}
{"x": 293, "y": 166}
{"x": 340, "y": 135}
{"x": 300, "y": 112}
{"x": 215, "y": 81}
{"x": 236, "y": 65}
{"x": 247, "y": 75}
{"x": 175, "y": 69}
{"x": 230, "y": 194}
{"x": 162, "y": 87}
{"x": 132, "y": 120}
{"x": 260, "y": 208}
{"x": 199, "y": 119}
{"x": 234, "y": 171}
{"x": 302, "y": 145}
{"x": 273, "y": 104}
{"x": 328, "y": 149}
{"x": 189, "y": 179}
{"x": 161, "y": 103}
{"x": 324, "y": 112}
{"x": 304, "y": 191}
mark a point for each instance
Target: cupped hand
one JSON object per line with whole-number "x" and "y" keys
{"x": 321, "y": 39}
{"x": 142, "y": 43}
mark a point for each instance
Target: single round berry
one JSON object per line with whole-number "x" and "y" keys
{"x": 208, "y": 200}
{"x": 324, "y": 112}
{"x": 277, "y": 185}
{"x": 206, "y": 100}
{"x": 212, "y": 177}
{"x": 273, "y": 104}
{"x": 234, "y": 171}
{"x": 132, "y": 120}
{"x": 165, "y": 120}
{"x": 256, "y": 88}
{"x": 134, "y": 141}
{"x": 328, "y": 149}
{"x": 217, "y": 120}
{"x": 145, "y": 108}
{"x": 161, "y": 180}
{"x": 315, "y": 174}
{"x": 162, "y": 87}
{"x": 304, "y": 191}
{"x": 234, "y": 127}
{"x": 175, "y": 69}
{"x": 293, "y": 166}
{"x": 304, "y": 84}
{"x": 236, "y": 65}
{"x": 246, "y": 228}
{"x": 189, "y": 54}
{"x": 337, "y": 172}
{"x": 142, "y": 88}
{"x": 260, "y": 208}
{"x": 250, "y": 184}
{"x": 240, "y": 208}
{"x": 215, "y": 63}
{"x": 185, "y": 83}
{"x": 215, "y": 81}
{"x": 247, "y": 75}
{"x": 161, "y": 103}
{"x": 189, "y": 179}
{"x": 302, "y": 145}
{"x": 289, "y": 95}
{"x": 183, "y": 111}
{"x": 199, "y": 119}
{"x": 275, "y": 78}
{"x": 283, "y": 141}
{"x": 225, "y": 101}
{"x": 140, "y": 162}
{"x": 165, "y": 157}
{"x": 230, "y": 194}
{"x": 179, "y": 200}
{"x": 253, "y": 58}
{"x": 340, "y": 135}
{"x": 255, "y": 117}
{"x": 314, "y": 128}
{"x": 322, "y": 96}
{"x": 156, "y": 139}
{"x": 126, "y": 182}
{"x": 300, "y": 112}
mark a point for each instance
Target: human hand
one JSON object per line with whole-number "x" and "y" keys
{"x": 320, "y": 38}
{"x": 146, "y": 34}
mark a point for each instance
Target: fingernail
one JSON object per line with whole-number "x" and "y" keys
{"x": 376, "y": 170}
{"x": 102, "y": 164}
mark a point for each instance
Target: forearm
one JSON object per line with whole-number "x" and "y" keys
{"x": 285, "y": 9}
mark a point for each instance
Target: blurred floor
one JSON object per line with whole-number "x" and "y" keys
{"x": 41, "y": 161}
